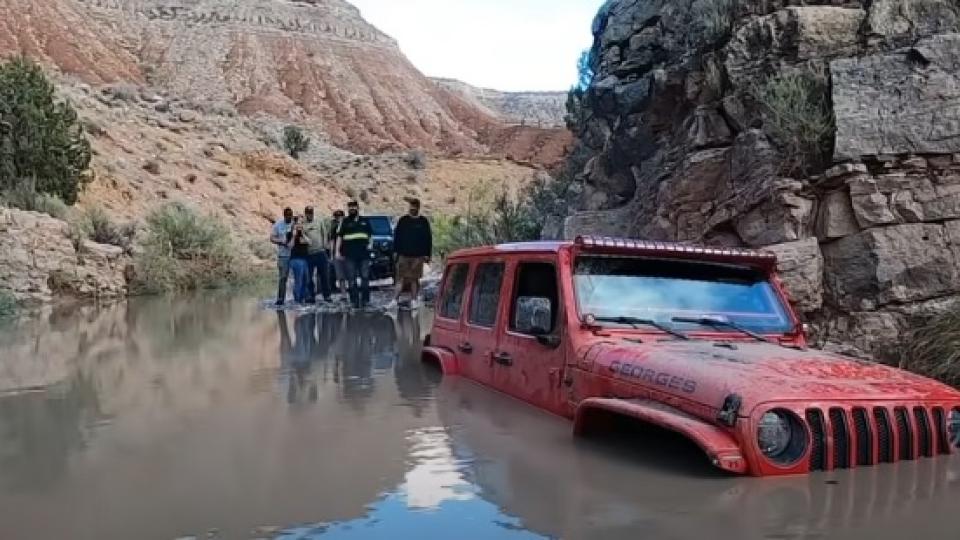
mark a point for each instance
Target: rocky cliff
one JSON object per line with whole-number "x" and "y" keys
{"x": 316, "y": 63}
{"x": 828, "y": 132}
{"x": 541, "y": 109}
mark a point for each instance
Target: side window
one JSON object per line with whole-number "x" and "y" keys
{"x": 452, "y": 304}
{"x": 535, "y": 299}
{"x": 485, "y": 298}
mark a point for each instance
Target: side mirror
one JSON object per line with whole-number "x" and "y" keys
{"x": 534, "y": 315}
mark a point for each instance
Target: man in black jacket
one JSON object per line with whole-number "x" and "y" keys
{"x": 353, "y": 248}
{"x": 413, "y": 244}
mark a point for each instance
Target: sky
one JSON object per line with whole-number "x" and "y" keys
{"x": 510, "y": 45}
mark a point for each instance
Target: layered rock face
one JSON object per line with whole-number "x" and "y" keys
{"x": 40, "y": 262}
{"x": 314, "y": 61}
{"x": 676, "y": 145}
{"x": 541, "y": 109}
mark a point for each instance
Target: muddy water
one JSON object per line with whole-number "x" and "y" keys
{"x": 210, "y": 417}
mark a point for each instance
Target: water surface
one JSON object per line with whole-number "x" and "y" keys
{"x": 210, "y": 417}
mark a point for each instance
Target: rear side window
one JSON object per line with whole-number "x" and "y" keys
{"x": 452, "y": 304}
{"x": 485, "y": 298}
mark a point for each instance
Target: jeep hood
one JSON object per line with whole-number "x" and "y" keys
{"x": 707, "y": 372}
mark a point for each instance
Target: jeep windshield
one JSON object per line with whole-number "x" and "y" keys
{"x": 381, "y": 225}
{"x": 662, "y": 290}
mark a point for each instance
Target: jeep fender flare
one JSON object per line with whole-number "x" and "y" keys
{"x": 442, "y": 358}
{"x": 720, "y": 446}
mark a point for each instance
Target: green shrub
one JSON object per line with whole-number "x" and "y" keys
{"x": 714, "y": 18}
{"x": 8, "y": 305}
{"x": 24, "y": 196}
{"x": 487, "y": 221}
{"x": 294, "y": 141}
{"x": 94, "y": 224}
{"x": 798, "y": 116}
{"x": 41, "y": 138}
{"x": 262, "y": 249}
{"x": 933, "y": 349}
{"x": 184, "y": 250}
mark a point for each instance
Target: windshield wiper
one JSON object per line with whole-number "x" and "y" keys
{"x": 637, "y": 322}
{"x": 722, "y": 323}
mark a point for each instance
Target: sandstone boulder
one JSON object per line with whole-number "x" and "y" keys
{"x": 900, "y": 102}
{"x": 902, "y": 18}
{"x": 39, "y": 263}
{"x": 836, "y": 218}
{"x": 785, "y": 218}
{"x": 801, "y": 266}
{"x": 895, "y": 264}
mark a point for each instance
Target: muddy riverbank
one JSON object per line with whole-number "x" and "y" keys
{"x": 210, "y": 417}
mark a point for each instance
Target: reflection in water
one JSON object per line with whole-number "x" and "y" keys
{"x": 39, "y": 430}
{"x": 171, "y": 417}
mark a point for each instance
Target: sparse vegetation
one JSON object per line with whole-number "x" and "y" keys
{"x": 184, "y": 250}
{"x": 94, "y": 224}
{"x": 798, "y": 116}
{"x": 8, "y": 305}
{"x": 933, "y": 349}
{"x": 576, "y": 110}
{"x": 41, "y": 138}
{"x": 715, "y": 18}
{"x": 295, "y": 142}
{"x": 24, "y": 196}
{"x": 498, "y": 219}
{"x": 416, "y": 159}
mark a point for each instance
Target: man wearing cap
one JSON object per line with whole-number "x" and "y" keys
{"x": 318, "y": 266}
{"x": 280, "y": 236}
{"x": 353, "y": 241}
{"x": 413, "y": 244}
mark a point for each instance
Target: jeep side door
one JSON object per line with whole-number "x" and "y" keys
{"x": 532, "y": 338}
{"x": 483, "y": 315}
{"x": 448, "y": 327}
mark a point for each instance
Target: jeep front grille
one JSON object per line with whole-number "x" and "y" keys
{"x": 844, "y": 437}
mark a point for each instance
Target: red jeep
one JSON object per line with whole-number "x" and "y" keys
{"x": 696, "y": 340}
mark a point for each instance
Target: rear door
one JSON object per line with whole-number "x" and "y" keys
{"x": 483, "y": 316}
{"x": 531, "y": 351}
{"x": 448, "y": 327}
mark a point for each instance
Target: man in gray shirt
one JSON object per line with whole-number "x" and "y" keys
{"x": 280, "y": 236}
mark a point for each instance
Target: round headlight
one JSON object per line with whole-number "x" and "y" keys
{"x": 774, "y": 434}
{"x": 782, "y": 437}
{"x": 953, "y": 427}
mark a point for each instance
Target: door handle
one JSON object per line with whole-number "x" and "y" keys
{"x": 465, "y": 347}
{"x": 504, "y": 359}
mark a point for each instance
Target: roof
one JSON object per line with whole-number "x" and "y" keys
{"x": 632, "y": 246}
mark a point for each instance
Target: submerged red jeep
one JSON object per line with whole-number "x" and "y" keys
{"x": 700, "y": 341}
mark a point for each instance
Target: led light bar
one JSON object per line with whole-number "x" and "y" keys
{"x": 651, "y": 247}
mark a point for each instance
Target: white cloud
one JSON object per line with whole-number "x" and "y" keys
{"x": 501, "y": 44}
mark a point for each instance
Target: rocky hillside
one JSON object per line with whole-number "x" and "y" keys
{"x": 828, "y": 133}
{"x": 540, "y": 109}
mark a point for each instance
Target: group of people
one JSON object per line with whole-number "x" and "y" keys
{"x": 325, "y": 258}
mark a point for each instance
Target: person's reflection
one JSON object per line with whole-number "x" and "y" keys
{"x": 366, "y": 339}
{"x": 297, "y": 356}
{"x": 410, "y": 376}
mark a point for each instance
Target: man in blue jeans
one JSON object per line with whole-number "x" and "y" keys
{"x": 319, "y": 267}
{"x": 280, "y": 236}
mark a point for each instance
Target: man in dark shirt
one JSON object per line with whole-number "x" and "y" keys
{"x": 338, "y": 273}
{"x": 413, "y": 244}
{"x": 353, "y": 239}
